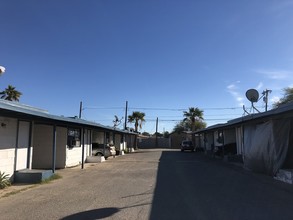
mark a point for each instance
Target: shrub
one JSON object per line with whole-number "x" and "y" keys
{"x": 4, "y": 180}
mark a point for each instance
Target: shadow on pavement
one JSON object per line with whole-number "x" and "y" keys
{"x": 93, "y": 214}
{"x": 193, "y": 186}
{"x": 169, "y": 201}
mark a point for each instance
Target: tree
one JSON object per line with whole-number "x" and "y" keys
{"x": 10, "y": 94}
{"x": 137, "y": 118}
{"x": 180, "y": 127}
{"x": 193, "y": 117}
{"x": 158, "y": 134}
{"x": 186, "y": 125}
{"x": 166, "y": 134}
{"x": 146, "y": 133}
{"x": 287, "y": 98}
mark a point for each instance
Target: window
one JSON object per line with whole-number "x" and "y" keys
{"x": 73, "y": 137}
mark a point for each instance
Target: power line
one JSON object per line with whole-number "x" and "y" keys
{"x": 105, "y": 108}
{"x": 162, "y": 109}
{"x": 177, "y": 120}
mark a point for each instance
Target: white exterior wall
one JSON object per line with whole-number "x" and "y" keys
{"x": 13, "y": 156}
{"x": 7, "y": 161}
{"x": 74, "y": 155}
{"x": 7, "y": 145}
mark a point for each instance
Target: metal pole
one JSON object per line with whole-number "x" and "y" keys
{"x": 80, "y": 109}
{"x": 54, "y": 149}
{"x": 267, "y": 95}
{"x": 125, "y": 123}
{"x": 82, "y": 153}
{"x": 29, "y": 145}
{"x": 157, "y": 132}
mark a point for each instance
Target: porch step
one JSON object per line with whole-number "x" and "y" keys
{"x": 285, "y": 175}
{"x": 31, "y": 176}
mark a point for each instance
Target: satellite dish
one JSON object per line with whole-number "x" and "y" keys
{"x": 252, "y": 95}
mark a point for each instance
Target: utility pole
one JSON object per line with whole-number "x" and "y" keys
{"x": 157, "y": 132}
{"x": 125, "y": 123}
{"x": 265, "y": 98}
{"x": 80, "y": 109}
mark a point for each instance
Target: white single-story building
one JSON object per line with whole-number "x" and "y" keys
{"x": 264, "y": 140}
{"x": 31, "y": 138}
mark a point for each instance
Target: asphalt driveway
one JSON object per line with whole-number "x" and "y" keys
{"x": 154, "y": 184}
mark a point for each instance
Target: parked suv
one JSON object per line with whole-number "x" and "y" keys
{"x": 187, "y": 145}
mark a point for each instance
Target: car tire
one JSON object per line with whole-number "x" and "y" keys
{"x": 99, "y": 154}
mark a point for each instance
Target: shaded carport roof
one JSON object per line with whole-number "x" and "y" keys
{"x": 283, "y": 109}
{"x": 26, "y": 112}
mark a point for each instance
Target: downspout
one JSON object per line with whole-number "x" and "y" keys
{"x": 54, "y": 149}
{"x": 82, "y": 154}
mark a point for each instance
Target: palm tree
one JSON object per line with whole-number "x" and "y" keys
{"x": 137, "y": 118}
{"x": 193, "y": 116}
{"x": 10, "y": 94}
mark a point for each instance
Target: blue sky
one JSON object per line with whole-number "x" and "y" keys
{"x": 162, "y": 56}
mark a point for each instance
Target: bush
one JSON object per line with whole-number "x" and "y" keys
{"x": 4, "y": 180}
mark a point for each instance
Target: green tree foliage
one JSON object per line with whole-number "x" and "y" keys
{"x": 146, "y": 133}
{"x": 194, "y": 117}
{"x": 158, "y": 134}
{"x": 180, "y": 127}
{"x": 137, "y": 118}
{"x": 166, "y": 134}
{"x": 193, "y": 121}
{"x": 287, "y": 98}
{"x": 10, "y": 94}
